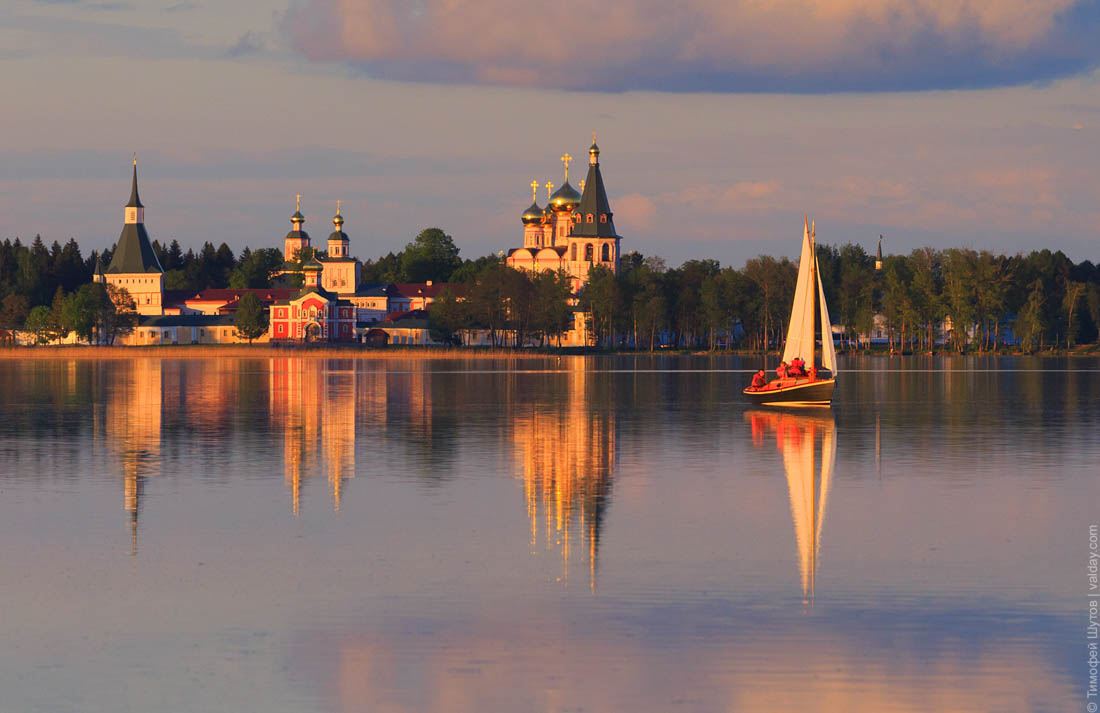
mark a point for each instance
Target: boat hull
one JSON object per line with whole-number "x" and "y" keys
{"x": 807, "y": 393}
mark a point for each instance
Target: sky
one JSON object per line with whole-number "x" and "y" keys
{"x": 943, "y": 123}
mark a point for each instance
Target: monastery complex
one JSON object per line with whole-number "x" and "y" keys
{"x": 572, "y": 233}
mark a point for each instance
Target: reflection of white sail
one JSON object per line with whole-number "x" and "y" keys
{"x": 799, "y": 439}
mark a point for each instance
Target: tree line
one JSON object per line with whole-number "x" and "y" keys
{"x": 956, "y": 298}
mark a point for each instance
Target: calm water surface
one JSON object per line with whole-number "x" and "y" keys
{"x": 582, "y": 534}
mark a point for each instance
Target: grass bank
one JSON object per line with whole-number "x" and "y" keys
{"x": 210, "y": 351}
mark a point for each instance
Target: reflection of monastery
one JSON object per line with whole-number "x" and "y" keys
{"x": 567, "y": 452}
{"x": 133, "y": 426}
{"x": 314, "y": 405}
{"x": 803, "y": 441}
{"x": 572, "y": 234}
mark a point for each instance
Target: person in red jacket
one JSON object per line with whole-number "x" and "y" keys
{"x": 813, "y": 373}
{"x": 759, "y": 380}
{"x": 798, "y": 367}
{"x": 781, "y": 370}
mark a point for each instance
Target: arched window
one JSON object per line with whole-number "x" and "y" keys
{"x": 605, "y": 253}
{"x": 588, "y": 252}
{"x": 576, "y": 217}
{"x": 589, "y": 218}
{"x": 603, "y": 217}
{"x": 573, "y": 252}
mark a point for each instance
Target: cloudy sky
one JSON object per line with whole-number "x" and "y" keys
{"x": 934, "y": 122}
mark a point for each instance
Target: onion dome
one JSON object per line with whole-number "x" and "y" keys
{"x": 533, "y": 214}
{"x": 565, "y": 198}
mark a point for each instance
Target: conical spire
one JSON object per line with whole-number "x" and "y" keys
{"x": 134, "y": 252}
{"x": 594, "y": 202}
{"x": 135, "y": 201}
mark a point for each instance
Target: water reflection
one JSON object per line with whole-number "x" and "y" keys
{"x": 346, "y": 535}
{"x": 566, "y": 449}
{"x": 804, "y": 441}
{"x": 314, "y": 411}
{"x": 133, "y": 429}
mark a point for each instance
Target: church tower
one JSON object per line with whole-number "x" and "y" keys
{"x": 297, "y": 239}
{"x": 562, "y": 204}
{"x": 338, "y": 239}
{"x": 134, "y": 265}
{"x": 532, "y": 220}
{"x": 594, "y": 240}
{"x": 341, "y": 270}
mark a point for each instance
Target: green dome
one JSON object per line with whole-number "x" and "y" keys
{"x": 565, "y": 198}
{"x": 533, "y": 214}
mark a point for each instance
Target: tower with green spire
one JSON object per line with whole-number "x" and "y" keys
{"x": 593, "y": 224}
{"x": 134, "y": 265}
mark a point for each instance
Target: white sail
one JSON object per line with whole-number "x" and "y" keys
{"x": 828, "y": 350}
{"x": 800, "y": 332}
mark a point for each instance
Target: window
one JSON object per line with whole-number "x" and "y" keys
{"x": 576, "y": 217}
{"x": 588, "y": 252}
{"x": 589, "y": 218}
{"x": 603, "y": 217}
{"x": 573, "y": 252}
{"x": 605, "y": 253}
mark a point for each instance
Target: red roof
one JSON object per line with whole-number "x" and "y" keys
{"x": 416, "y": 313}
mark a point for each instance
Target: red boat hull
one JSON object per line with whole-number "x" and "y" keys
{"x": 800, "y": 393}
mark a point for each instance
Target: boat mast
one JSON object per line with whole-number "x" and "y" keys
{"x": 813, "y": 288}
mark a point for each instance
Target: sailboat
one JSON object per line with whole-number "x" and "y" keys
{"x": 815, "y": 389}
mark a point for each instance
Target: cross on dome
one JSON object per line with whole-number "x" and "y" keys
{"x": 566, "y": 158}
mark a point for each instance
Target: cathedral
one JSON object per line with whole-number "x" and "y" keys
{"x": 574, "y": 232}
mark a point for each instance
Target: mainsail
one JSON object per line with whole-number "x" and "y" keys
{"x": 800, "y": 332}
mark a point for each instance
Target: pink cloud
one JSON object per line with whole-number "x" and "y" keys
{"x": 804, "y": 45}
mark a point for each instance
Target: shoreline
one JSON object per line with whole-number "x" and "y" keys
{"x": 208, "y": 351}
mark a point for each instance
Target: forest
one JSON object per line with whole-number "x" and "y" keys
{"x": 1039, "y": 301}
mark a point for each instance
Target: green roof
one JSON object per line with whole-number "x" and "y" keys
{"x": 134, "y": 253}
{"x": 594, "y": 202}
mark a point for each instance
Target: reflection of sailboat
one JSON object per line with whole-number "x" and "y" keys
{"x": 808, "y": 296}
{"x": 797, "y": 438}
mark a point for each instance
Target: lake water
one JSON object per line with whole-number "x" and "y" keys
{"x": 574, "y": 534}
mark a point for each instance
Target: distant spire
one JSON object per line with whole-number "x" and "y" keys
{"x": 135, "y": 201}
{"x": 593, "y": 152}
